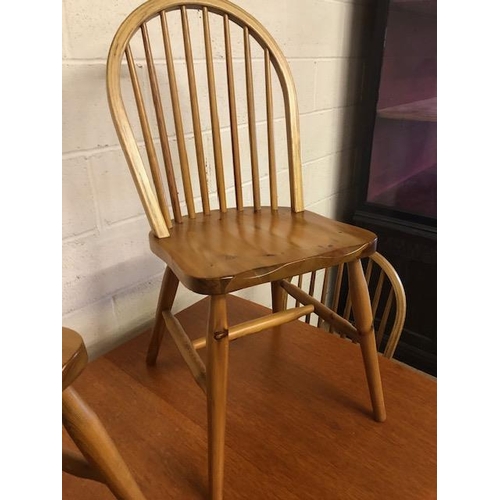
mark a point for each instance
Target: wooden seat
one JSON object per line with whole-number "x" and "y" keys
{"x": 100, "y": 460}
{"x": 239, "y": 249}
{"x": 74, "y": 356}
{"x": 388, "y": 301}
{"x": 207, "y": 117}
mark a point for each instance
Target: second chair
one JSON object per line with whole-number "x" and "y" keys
{"x": 333, "y": 305}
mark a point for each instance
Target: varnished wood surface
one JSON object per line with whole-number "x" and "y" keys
{"x": 299, "y": 420}
{"x": 239, "y": 249}
{"x": 363, "y": 320}
{"x": 386, "y": 290}
{"x": 217, "y": 383}
{"x": 137, "y": 22}
{"x": 88, "y": 433}
{"x": 74, "y": 356}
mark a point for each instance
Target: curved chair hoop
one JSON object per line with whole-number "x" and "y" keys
{"x": 400, "y": 297}
{"x": 123, "y": 36}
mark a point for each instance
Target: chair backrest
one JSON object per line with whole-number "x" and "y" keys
{"x": 386, "y": 290}
{"x": 216, "y": 42}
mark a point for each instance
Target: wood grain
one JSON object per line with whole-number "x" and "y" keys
{"x": 185, "y": 346}
{"x": 176, "y": 109}
{"x": 161, "y": 123}
{"x": 217, "y": 368}
{"x": 148, "y": 138}
{"x": 252, "y": 129}
{"x": 388, "y": 302}
{"x": 271, "y": 151}
{"x": 239, "y": 249}
{"x": 96, "y": 457}
{"x": 274, "y": 59}
{"x": 195, "y": 112}
{"x": 260, "y": 324}
{"x": 340, "y": 324}
{"x": 168, "y": 291}
{"x": 363, "y": 321}
{"x": 298, "y": 421}
{"x": 91, "y": 437}
{"x": 214, "y": 113}
{"x": 235, "y": 142}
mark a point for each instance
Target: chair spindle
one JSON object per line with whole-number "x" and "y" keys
{"x": 385, "y": 317}
{"x": 179, "y": 128}
{"x": 214, "y": 116}
{"x": 336, "y": 292}
{"x": 324, "y": 289}
{"x": 252, "y": 132}
{"x": 148, "y": 139}
{"x": 270, "y": 133}
{"x": 235, "y": 144}
{"x": 312, "y": 283}
{"x": 378, "y": 292}
{"x": 162, "y": 128}
{"x": 195, "y": 112}
{"x": 299, "y": 284}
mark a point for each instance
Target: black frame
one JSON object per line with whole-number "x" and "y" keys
{"x": 404, "y": 220}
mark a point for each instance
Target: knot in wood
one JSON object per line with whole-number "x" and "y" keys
{"x": 221, "y": 334}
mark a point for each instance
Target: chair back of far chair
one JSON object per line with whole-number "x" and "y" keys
{"x": 388, "y": 298}
{"x": 212, "y": 95}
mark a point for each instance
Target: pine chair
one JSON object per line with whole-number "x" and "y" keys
{"x": 220, "y": 229}
{"x": 333, "y": 307}
{"x": 100, "y": 460}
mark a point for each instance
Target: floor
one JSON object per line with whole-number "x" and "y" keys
{"x": 299, "y": 423}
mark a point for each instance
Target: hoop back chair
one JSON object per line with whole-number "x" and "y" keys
{"x": 328, "y": 291}
{"x": 205, "y": 117}
{"x": 100, "y": 460}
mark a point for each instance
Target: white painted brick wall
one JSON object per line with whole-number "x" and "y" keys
{"x": 110, "y": 278}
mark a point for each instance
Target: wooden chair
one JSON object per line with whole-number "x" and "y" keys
{"x": 331, "y": 298}
{"x": 100, "y": 460}
{"x": 220, "y": 229}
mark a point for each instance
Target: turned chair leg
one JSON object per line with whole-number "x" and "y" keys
{"x": 168, "y": 291}
{"x": 279, "y": 297}
{"x": 217, "y": 361}
{"x": 91, "y": 437}
{"x": 363, "y": 319}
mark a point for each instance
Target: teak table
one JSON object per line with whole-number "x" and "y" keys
{"x": 299, "y": 419}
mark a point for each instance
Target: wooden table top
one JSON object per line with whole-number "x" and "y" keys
{"x": 299, "y": 422}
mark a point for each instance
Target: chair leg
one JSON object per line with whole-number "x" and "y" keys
{"x": 363, "y": 319}
{"x": 168, "y": 291}
{"x": 217, "y": 361}
{"x": 279, "y": 296}
{"x": 91, "y": 437}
